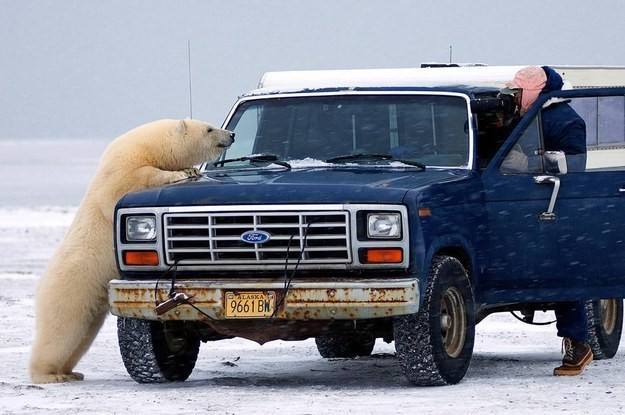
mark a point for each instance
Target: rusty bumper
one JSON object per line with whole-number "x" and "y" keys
{"x": 351, "y": 299}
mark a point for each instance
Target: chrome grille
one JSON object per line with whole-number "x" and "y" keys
{"x": 215, "y": 237}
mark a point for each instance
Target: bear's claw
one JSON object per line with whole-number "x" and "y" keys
{"x": 192, "y": 172}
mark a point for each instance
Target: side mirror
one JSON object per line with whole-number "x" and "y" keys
{"x": 555, "y": 162}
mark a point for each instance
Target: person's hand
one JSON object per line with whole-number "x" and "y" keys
{"x": 515, "y": 161}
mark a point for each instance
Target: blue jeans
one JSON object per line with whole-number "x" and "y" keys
{"x": 572, "y": 320}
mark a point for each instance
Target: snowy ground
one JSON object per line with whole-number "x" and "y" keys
{"x": 510, "y": 372}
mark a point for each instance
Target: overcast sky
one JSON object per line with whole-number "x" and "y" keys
{"x": 77, "y": 68}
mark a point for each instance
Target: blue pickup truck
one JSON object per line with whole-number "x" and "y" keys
{"x": 358, "y": 205}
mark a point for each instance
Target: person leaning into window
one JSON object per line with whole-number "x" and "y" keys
{"x": 563, "y": 130}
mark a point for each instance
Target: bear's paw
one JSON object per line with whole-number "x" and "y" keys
{"x": 192, "y": 172}
{"x": 57, "y": 377}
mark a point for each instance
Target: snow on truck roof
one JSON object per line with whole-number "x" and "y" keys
{"x": 496, "y": 76}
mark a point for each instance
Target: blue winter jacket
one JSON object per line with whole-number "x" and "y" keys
{"x": 563, "y": 128}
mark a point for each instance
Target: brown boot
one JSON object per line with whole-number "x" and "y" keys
{"x": 577, "y": 355}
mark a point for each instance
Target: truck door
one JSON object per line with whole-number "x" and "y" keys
{"x": 558, "y": 236}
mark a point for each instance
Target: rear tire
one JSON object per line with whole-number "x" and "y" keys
{"x": 434, "y": 346}
{"x": 346, "y": 344}
{"x": 156, "y": 352}
{"x": 605, "y": 324}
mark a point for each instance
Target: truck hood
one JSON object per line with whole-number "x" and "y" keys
{"x": 302, "y": 185}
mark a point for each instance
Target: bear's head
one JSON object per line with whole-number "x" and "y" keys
{"x": 202, "y": 141}
{"x": 168, "y": 145}
{"x": 180, "y": 144}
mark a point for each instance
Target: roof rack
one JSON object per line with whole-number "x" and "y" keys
{"x": 449, "y": 65}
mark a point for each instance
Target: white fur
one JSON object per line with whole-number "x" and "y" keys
{"x": 566, "y": 85}
{"x": 71, "y": 300}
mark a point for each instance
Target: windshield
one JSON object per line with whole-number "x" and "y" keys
{"x": 429, "y": 129}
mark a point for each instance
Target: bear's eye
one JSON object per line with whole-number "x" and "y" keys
{"x": 209, "y": 130}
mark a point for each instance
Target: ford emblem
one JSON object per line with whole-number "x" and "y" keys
{"x": 255, "y": 237}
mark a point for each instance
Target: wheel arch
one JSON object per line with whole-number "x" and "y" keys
{"x": 455, "y": 246}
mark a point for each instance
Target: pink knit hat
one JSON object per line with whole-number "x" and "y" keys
{"x": 531, "y": 80}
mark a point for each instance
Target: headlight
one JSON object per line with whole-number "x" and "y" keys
{"x": 384, "y": 225}
{"x": 140, "y": 228}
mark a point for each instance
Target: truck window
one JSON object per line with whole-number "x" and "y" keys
{"x": 522, "y": 158}
{"x": 493, "y": 128}
{"x": 432, "y": 129}
{"x": 605, "y": 131}
{"x": 605, "y": 138}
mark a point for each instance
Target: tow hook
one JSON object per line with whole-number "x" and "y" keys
{"x": 175, "y": 300}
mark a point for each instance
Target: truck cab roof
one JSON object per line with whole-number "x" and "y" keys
{"x": 425, "y": 77}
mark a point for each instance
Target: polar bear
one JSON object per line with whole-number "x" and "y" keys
{"x": 71, "y": 299}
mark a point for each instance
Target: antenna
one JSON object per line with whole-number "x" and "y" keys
{"x": 190, "y": 86}
{"x": 450, "y": 53}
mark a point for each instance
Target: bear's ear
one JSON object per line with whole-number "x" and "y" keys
{"x": 181, "y": 128}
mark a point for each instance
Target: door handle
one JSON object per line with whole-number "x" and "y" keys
{"x": 549, "y": 215}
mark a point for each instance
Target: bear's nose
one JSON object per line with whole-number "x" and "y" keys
{"x": 231, "y": 135}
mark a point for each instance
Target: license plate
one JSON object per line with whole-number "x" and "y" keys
{"x": 248, "y": 304}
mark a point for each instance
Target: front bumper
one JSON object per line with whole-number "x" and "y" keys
{"x": 350, "y": 299}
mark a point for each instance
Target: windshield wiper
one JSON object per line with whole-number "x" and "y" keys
{"x": 365, "y": 156}
{"x": 259, "y": 158}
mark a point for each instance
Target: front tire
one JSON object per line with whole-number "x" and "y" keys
{"x": 156, "y": 352}
{"x": 434, "y": 346}
{"x": 605, "y": 324}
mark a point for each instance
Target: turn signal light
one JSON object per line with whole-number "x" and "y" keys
{"x": 140, "y": 257}
{"x": 382, "y": 255}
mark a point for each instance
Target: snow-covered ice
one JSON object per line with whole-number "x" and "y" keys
{"x": 510, "y": 372}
